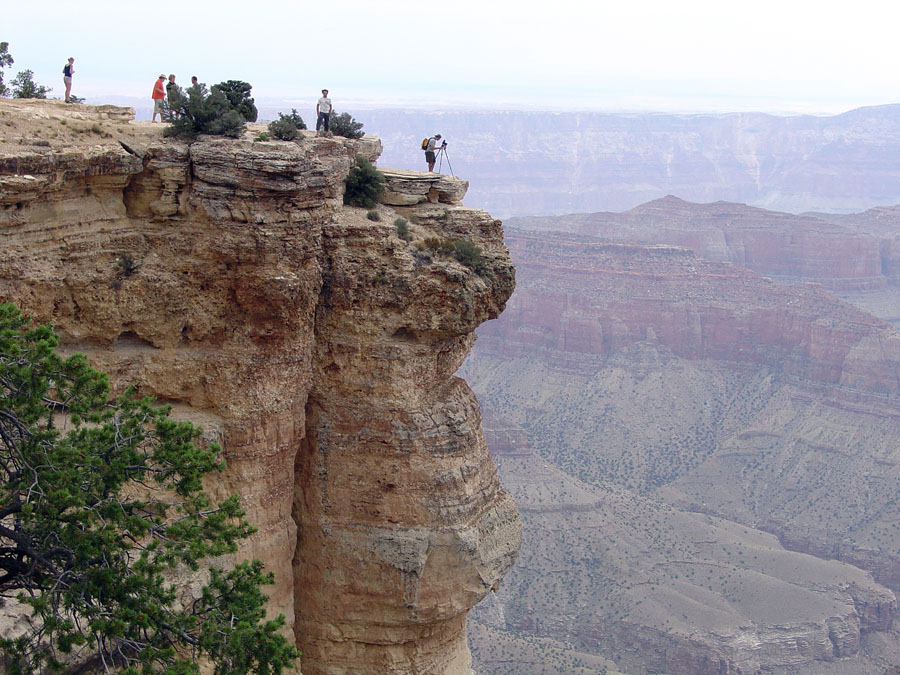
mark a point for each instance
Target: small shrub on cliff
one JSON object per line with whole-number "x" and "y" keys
{"x": 374, "y": 215}
{"x": 287, "y": 127}
{"x": 469, "y": 255}
{"x": 440, "y": 245}
{"x": 96, "y": 514}
{"x": 224, "y": 111}
{"x": 402, "y": 228}
{"x": 345, "y": 125}
{"x": 127, "y": 265}
{"x": 364, "y": 184}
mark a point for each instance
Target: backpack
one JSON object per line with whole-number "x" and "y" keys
{"x": 425, "y": 143}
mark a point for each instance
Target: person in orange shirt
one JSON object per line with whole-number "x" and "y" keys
{"x": 158, "y": 96}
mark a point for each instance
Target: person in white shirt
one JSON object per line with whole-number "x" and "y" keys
{"x": 430, "y": 151}
{"x": 323, "y": 112}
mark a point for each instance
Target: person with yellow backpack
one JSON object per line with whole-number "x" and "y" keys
{"x": 429, "y": 145}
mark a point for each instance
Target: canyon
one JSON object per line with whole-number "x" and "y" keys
{"x": 316, "y": 345}
{"x": 695, "y": 406}
{"x": 533, "y": 162}
{"x": 701, "y": 437}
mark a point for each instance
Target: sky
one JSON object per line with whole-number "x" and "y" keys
{"x": 786, "y": 56}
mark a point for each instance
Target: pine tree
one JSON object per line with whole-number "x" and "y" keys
{"x": 99, "y": 500}
{"x": 6, "y": 60}
{"x": 24, "y": 86}
{"x": 364, "y": 184}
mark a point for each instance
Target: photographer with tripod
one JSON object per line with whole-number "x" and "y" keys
{"x": 431, "y": 148}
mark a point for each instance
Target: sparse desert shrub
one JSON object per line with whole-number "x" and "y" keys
{"x": 127, "y": 265}
{"x": 264, "y": 136}
{"x": 345, "y": 125}
{"x": 364, "y": 184}
{"x": 440, "y": 245}
{"x": 402, "y": 228}
{"x": 373, "y": 215}
{"x": 469, "y": 255}
{"x": 287, "y": 127}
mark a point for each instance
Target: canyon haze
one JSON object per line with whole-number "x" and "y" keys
{"x": 542, "y": 163}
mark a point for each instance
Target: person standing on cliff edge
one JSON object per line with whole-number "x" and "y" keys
{"x": 68, "y": 70}
{"x": 429, "y": 151}
{"x": 323, "y": 112}
{"x": 172, "y": 92}
{"x": 158, "y": 96}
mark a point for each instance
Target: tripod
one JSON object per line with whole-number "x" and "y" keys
{"x": 442, "y": 151}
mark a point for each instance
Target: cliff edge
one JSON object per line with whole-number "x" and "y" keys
{"x": 226, "y": 277}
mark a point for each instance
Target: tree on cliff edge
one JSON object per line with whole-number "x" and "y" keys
{"x": 100, "y": 501}
{"x": 6, "y": 60}
{"x": 224, "y": 111}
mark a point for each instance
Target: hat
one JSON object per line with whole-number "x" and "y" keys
{"x": 437, "y": 135}
{"x": 163, "y": 76}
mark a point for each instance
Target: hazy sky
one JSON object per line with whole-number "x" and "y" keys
{"x": 784, "y": 55}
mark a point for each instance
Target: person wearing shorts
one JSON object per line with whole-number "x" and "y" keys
{"x": 68, "y": 71}
{"x": 159, "y": 96}
{"x": 429, "y": 151}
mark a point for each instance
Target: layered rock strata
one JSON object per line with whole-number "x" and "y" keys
{"x": 226, "y": 277}
{"x": 405, "y": 188}
{"x": 734, "y": 444}
{"x": 852, "y": 252}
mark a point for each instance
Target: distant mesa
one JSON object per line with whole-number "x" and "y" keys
{"x": 852, "y": 252}
{"x": 539, "y": 163}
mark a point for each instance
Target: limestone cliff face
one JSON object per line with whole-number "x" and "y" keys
{"x": 226, "y": 277}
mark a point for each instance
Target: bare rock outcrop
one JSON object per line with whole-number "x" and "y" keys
{"x": 226, "y": 277}
{"x": 403, "y": 187}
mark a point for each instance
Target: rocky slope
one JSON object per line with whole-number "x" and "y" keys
{"x": 317, "y": 346}
{"x": 543, "y": 163}
{"x": 695, "y": 409}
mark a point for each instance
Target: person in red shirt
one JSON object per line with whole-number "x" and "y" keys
{"x": 158, "y": 96}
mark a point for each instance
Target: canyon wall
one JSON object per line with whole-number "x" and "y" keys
{"x": 317, "y": 346}
{"x": 530, "y": 162}
{"x": 705, "y": 460}
{"x": 857, "y": 252}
